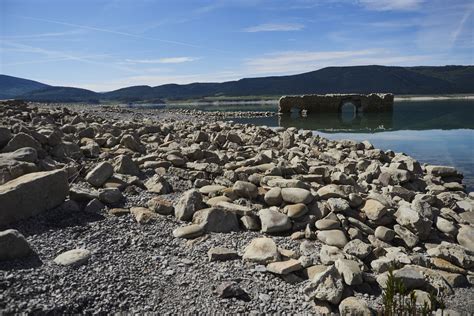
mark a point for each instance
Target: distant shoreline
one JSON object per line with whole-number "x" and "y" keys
{"x": 433, "y": 97}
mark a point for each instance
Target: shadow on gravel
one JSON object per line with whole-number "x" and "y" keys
{"x": 53, "y": 219}
{"x": 29, "y": 262}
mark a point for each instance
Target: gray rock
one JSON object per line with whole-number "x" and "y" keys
{"x": 74, "y": 257}
{"x": 273, "y": 197}
{"x": 110, "y": 196}
{"x": 384, "y": 233}
{"x": 222, "y": 254}
{"x": 261, "y": 250}
{"x": 331, "y": 191}
{"x": 466, "y": 237}
{"x": 231, "y": 289}
{"x": 333, "y": 238}
{"x": 158, "y": 184}
{"x": 414, "y": 221}
{"x": 409, "y": 238}
{"x": 216, "y": 220}
{"x": 21, "y": 140}
{"x": 284, "y": 267}
{"x": 329, "y": 254}
{"x": 94, "y": 206}
{"x": 350, "y": 271}
{"x": 358, "y": 248}
{"x": 131, "y": 143}
{"x": 374, "y": 210}
{"x": 160, "y": 206}
{"x": 326, "y": 286}
{"x": 189, "y": 231}
{"x": 273, "y": 221}
{"x": 13, "y": 245}
{"x": 124, "y": 164}
{"x": 245, "y": 189}
{"x": 100, "y": 174}
{"x": 354, "y": 306}
{"x": 32, "y": 194}
{"x": 189, "y": 203}
{"x": 17, "y": 163}
{"x": 5, "y": 136}
{"x": 338, "y": 205}
{"x": 446, "y": 226}
{"x": 453, "y": 253}
{"x": 327, "y": 224}
{"x": 296, "y": 195}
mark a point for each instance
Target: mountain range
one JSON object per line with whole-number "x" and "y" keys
{"x": 422, "y": 80}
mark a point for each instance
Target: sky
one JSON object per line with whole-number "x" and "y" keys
{"x": 105, "y": 45}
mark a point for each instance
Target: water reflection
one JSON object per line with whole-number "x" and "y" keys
{"x": 344, "y": 121}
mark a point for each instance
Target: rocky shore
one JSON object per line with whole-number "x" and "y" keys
{"x": 105, "y": 210}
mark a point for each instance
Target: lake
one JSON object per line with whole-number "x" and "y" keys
{"x": 435, "y": 131}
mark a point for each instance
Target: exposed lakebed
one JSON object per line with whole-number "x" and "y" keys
{"x": 432, "y": 131}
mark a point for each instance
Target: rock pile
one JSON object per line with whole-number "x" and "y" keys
{"x": 357, "y": 211}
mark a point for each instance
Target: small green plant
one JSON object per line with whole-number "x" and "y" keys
{"x": 398, "y": 301}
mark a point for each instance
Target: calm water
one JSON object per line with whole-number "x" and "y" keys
{"x": 436, "y": 132}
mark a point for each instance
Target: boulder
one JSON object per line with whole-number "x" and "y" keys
{"x": 331, "y": 191}
{"x": 21, "y": 140}
{"x": 110, "y": 195}
{"x": 374, "y": 210}
{"x": 414, "y": 221}
{"x": 358, "y": 248}
{"x": 466, "y": 237}
{"x": 142, "y": 215}
{"x": 17, "y": 163}
{"x": 100, "y": 174}
{"x": 216, "y": 220}
{"x": 261, "y": 250}
{"x": 350, "y": 271}
{"x": 354, "y": 306}
{"x": 245, "y": 189}
{"x": 32, "y": 194}
{"x": 273, "y": 221}
{"x": 385, "y": 234}
{"x": 189, "y": 203}
{"x": 160, "y": 206}
{"x": 326, "y": 286}
{"x": 454, "y": 254}
{"x": 273, "y": 197}
{"x": 5, "y": 136}
{"x": 158, "y": 185}
{"x": 333, "y": 238}
{"x": 13, "y": 245}
{"x": 124, "y": 164}
{"x": 329, "y": 254}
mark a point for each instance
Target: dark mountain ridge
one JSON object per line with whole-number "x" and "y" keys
{"x": 421, "y": 80}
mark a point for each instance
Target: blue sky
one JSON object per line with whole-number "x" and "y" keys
{"x": 105, "y": 45}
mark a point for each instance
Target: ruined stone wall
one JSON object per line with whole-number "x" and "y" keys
{"x": 373, "y": 102}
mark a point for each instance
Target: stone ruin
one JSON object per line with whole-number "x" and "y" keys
{"x": 373, "y": 102}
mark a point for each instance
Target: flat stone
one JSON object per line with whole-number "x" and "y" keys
{"x": 110, "y": 195}
{"x": 222, "y": 254}
{"x": 32, "y": 194}
{"x": 209, "y": 189}
{"x": 284, "y": 267}
{"x": 118, "y": 211}
{"x": 296, "y": 210}
{"x": 311, "y": 271}
{"x": 142, "y": 215}
{"x": 261, "y": 250}
{"x": 296, "y": 195}
{"x": 13, "y": 245}
{"x": 331, "y": 191}
{"x": 234, "y": 208}
{"x": 161, "y": 206}
{"x": 74, "y": 257}
{"x": 327, "y": 224}
{"x": 333, "y": 238}
{"x": 189, "y": 231}
{"x": 329, "y": 254}
{"x": 213, "y": 201}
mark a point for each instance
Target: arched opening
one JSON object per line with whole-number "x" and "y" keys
{"x": 348, "y": 111}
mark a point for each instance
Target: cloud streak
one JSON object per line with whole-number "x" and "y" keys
{"x": 274, "y": 27}
{"x": 168, "y": 60}
{"x": 392, "y": 5}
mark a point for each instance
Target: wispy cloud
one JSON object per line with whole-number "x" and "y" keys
{"x": 104, "y": 30}
{"x": 274, "y": 27}
{"x": 294, "y": 61}
{"x": 43, "y": 35}
{"x": 168, "y": 60}
{"x": 300, "y": 61}
{"x": 389, "y": 5}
